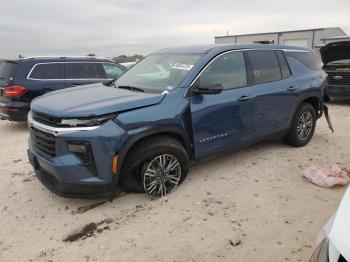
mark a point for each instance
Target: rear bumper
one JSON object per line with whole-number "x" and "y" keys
{"x": 338, "y": 90}
{"x": 14, "y": 111}
{"x": 64, "y": 173}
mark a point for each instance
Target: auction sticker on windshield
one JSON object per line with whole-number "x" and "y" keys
{"x": 182, "y": 66}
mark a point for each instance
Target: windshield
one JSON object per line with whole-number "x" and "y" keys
{"x": 159, "y": 72}
{"x": 7, "y": 70}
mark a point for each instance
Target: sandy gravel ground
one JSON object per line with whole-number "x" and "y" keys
{"x": 248, "y": 205}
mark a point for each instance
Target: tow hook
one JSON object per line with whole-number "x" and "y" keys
{"x": 326, "y": 114}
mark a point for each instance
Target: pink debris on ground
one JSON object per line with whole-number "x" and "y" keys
{"x": 327, "y": 176}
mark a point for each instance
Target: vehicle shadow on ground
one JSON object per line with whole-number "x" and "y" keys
{"x": 130, "y": 200}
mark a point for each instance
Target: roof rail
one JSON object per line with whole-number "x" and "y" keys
{"x": 63, "y": 57}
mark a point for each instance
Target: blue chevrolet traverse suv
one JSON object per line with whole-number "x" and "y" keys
{"x": 23, "y": 79}
{"x": 140, "y": 132}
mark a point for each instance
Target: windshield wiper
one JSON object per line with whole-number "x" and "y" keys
{"x": 132, "y": 88}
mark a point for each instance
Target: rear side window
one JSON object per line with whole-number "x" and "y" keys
{"x": 84, "y": 71}
{"x": 7, "y": 70}
{"x": 228, "y": 69}
{"x": 306, "y": 57}
{"x": 48, "y": 71}
{"x": 112, "y": 70}
{"x": 264, "y": 66}
{"x": 285, "y": 70}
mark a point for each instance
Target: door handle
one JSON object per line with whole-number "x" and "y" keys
{"x": 245, "y": 98}
{"x": 292, "y": 88}
{"x": 76, "y": 84}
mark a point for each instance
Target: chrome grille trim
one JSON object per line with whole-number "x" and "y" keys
{"x": 56, "y": 130}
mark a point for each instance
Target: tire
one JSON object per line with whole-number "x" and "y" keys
{"x": 303, "y": 126}
{"x": 136, "y": 169}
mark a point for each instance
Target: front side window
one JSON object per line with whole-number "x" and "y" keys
{"x": 84, "y": 71}
{"x": 228, "y": 69}
{"x": 49, "y": 71}
{"x": 112, "y": 71}
{"x": 264, "y": 66}
{"x": 159, "y": 72}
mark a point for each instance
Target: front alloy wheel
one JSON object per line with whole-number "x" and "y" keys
{"x": 161, "y": 175}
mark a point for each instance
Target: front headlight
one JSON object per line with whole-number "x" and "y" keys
{"x": 90, "y": 121}
{"x": 321, "y": 252}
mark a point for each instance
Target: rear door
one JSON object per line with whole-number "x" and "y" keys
{"x": 273, "y": 90}
{"x": 44, "y": 78}
{"x": 82, "y": 73}
{"x": 223, "y": 120}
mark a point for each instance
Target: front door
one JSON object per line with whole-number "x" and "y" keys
{"x": 224, "y": 120}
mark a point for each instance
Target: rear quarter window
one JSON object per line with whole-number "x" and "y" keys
{"x": 49, "y": 71}
{"x": 305, "y": 57}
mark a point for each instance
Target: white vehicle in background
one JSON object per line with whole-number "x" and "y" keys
{"x": 128, "y": 65}
{"x": 334, "y": 240}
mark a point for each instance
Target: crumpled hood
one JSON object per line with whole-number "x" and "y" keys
{"x": 335, "y": 51}
{"x": 90, "y": 100}
{"x": 340, "y": 232}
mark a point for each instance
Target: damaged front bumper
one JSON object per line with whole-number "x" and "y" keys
{"x": 70, "y": 173}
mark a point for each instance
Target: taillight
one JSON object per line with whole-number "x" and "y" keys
{"x": 13, "y": 91}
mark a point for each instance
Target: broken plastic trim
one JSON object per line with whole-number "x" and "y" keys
{"x": 326, "y": 114}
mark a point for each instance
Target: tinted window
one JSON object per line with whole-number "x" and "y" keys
{"x": 307, "y": 58}
{"x": 264, "y": 65}
{"x": 84, "y": 71}
{"x": 48, "y": 71}
{"x": 7, "y": 70}
{"x": 228, "y": 69}
{"x": 112, "y": 71}
{"x": 285, "y": 71}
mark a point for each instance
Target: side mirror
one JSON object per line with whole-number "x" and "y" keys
{"x": 207, "y": 89}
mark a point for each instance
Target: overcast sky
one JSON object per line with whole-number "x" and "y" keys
{"x": 113, "y": 27}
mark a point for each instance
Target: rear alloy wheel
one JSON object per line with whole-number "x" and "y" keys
{"x": 303, "y": 126}
{"x": 161, "y": 175}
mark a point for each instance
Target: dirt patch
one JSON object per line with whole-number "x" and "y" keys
{"x": 255, "y": 195}
{"x": 89, "y": 230}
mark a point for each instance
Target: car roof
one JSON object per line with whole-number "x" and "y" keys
{"x": 43, "y": 59}
{"x": 218, "y": 48}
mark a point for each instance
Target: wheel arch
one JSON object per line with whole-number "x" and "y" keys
{"x": 313, "y": 99}
{"x": 317, "y": 103}
{"x": 172, "y": 131}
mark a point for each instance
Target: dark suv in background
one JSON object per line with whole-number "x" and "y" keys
{"x": 24, "y": 79}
